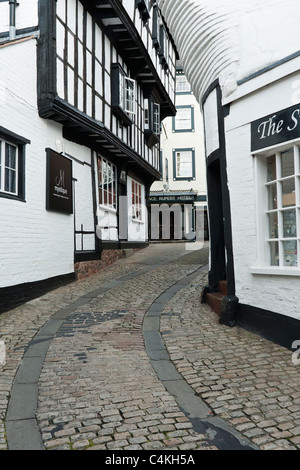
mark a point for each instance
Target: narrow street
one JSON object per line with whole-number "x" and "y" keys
{"x": 129, "y": 359}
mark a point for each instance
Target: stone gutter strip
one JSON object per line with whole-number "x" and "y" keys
{"x": 200, "y": 415}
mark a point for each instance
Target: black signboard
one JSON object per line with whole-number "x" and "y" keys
{"x": 59, "y": 195}
{"x": 276, "y": 128}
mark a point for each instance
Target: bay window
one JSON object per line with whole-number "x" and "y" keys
{"x": 152, "y": 121}
{"x": 123, "y": 95}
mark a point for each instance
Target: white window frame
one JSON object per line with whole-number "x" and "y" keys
{"x": 137, "y": 201}
{"x": 4, "y": 169}
{"x": 127, "y": 94}
{"x": 179, "y": 154}
{"x": 156, "y": 118}
{"x": 107, "y": 168}
{"x": 184, "y": 119}
{"x": 152, "y": 116}
{"x": 183, "y": 86}
{"x": 264, "y": 239}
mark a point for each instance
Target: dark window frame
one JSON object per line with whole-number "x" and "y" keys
{"x": 190, "y": 129}
{"x": 184, "y": 178}
{"x": 20, "y": 143}
{"x": 152, "y": 132}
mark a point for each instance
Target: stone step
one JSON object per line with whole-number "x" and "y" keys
{"x": 214, "y": 299}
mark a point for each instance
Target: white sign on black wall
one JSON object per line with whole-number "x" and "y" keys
{"x": 59, "y": 196}
{"x": 276, "y": 128}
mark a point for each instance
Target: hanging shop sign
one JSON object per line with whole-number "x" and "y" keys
{"x": 59, "y": 194}
{"x": 276, "y": 128}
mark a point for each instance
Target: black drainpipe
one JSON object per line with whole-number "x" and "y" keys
{"x": 12, "y": 18}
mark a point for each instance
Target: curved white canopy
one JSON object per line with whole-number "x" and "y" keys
{"x": 231, "y": 39}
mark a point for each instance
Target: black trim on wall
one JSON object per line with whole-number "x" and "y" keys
{"x": 46, "y": 51}
{"x": 219, "y": 204}
{"x": 11, "y": 297}
{"x": 273, "y": 326}
{"x": 222, "y": 113}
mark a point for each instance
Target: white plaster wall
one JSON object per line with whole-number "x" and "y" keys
{"x": 26, "y": 14}
{"x": 210, "y": 116}
{"x": 276, "y": 293}
{"x": 36, "y": 244}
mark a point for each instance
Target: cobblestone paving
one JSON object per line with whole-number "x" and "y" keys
{"x": 98, "y": 390}
{"x": 248, "y": 381}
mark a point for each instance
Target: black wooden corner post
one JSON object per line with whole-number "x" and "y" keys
{"x": 46, "y": 56}
{"x": 221, "y": 263}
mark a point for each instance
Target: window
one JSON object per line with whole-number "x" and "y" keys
{"x": 160, "y": 38}
{"x": 182, "y": 85}
{"x": 184, "y": 119}
{"x": 8, "y": 168}
{"x": 164, "y": 46}
{"x": 12, "y": 165}
{"x": 123, "y": 95}
{"x": 183, "y": 164}
{"x": 282, "y": 192}
{"x": 107, "y": 177}
{"x": 152, "y": 121}
{"x": 136, "y": 200}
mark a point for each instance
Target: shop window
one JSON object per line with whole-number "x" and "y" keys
{"x": 183, "y": 164}
{"x": 152, "y": 121}
{"x": 123, "y": 95}
{"x": 282, "y": 196}
{"x": 184, "y": 119}
{"x": 12, "y": 165}
{"x": 136, "y": 191}
{"x": 107, "y": 179}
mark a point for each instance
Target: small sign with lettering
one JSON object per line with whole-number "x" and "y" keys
{"x": 59, "y": 195}
{"x": 276, "y": 128}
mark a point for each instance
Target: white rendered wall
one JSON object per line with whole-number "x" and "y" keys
{"x": 278, "y": 293}
{"x": 26, "y": 14}
{"x": 36, "y": 244}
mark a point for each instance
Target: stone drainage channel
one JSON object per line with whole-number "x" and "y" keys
{"x": 21, "y": 426}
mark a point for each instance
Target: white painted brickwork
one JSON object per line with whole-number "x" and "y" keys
{"x": 36, "y": 244}
{"x": 26, "y": 14}
{"x": 274, "y": 293}
{"x": 230, "y": 41}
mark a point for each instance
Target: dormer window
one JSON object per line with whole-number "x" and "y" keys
{"x": 144, "y": 9}
{"x": 123, "y": 95}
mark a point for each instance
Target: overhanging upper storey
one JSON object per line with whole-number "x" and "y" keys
{"x": 101, "y": 65}
{"x": 152, "y": 63}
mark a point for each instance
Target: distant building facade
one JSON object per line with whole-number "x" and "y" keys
{"x": 181, "y": 191}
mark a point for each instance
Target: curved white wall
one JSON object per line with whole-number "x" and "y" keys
{"x": 230, "y": 40}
